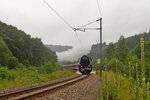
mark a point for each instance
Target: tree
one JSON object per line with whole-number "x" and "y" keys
{"x": 49, "y": 67}
{"x": 28, "y": 51}
{"x": 95, "y": 64}
{"x": 13, "y": 62}
{"x": 95, "y": 50}
{"x": 121, "y": 49}
{"x": 113, "y": 64}
{"x": 109, "y": 52}
{"x": 133, "y": 59}
{"x": 4, "y": 53}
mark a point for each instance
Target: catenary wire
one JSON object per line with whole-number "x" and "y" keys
{"x": 88, "y": 23}
{"x": 99, "y": 9}
{"x": 57, "y": 13}
{"x": 100, "y": 12}
{"x": 64, "y": 21}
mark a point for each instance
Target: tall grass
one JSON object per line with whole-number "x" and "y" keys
{"x": 27, "y": 76}
{"x": 115, "y": 86}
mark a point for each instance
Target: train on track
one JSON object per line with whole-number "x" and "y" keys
{"x": 85, "y": 66}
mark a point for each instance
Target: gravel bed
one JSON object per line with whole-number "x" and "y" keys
{"x": 86, "y": 89}
{"x": 33, "y": 85}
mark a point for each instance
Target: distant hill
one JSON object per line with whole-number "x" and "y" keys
{"x": 131, "y": 42}
{"x": 59, "y": 48}
{"x": 28, "y": 50}
{"x": 95, "y": 50}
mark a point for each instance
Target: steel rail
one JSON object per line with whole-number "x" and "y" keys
{"x": 32, "y": 92}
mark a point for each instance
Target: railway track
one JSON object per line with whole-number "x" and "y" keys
{"x": 39, "y": 91}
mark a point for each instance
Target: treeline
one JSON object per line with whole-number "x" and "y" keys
{"x": 59, "y": 48}
{"x": 16, "y": 46}
{"x": 95, "y": 50}
{"x": 131, "y": 42}
{"x": 120, "y": 53}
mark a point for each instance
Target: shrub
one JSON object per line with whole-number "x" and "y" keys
{"x": 111, "y": 65}
{"x": 36, "y": 78}
{"x": 49, "y": 67}
{"x": 5, "y": 74}
{"x": 12, "y": 62}
{"x": 95, "y": 64}
{"x": 26, "y": 63}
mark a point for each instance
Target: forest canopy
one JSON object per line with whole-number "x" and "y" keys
{"x": 18, "y": 44}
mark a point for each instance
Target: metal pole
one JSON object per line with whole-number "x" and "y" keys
{"x": 101, "y": 48}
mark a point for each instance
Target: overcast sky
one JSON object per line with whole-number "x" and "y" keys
{"x": 120, "y": 17}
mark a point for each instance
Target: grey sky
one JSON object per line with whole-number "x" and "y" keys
{"x": 120, "y": 17}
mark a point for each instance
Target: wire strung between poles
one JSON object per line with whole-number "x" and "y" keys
{"x": 99, "y": 9}
{"x": 89, "y": 23}
{"x": 64, "y": 21}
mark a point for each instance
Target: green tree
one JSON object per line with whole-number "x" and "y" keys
{"x": 110, "y": 51}
{"x": 95, "y": 50}
{"x": 49, "y": 67}
{"x": 133, "y": 59}
{"x": 13, "y": 63}
{"x": 28, "y": 50}
{"x": 111, "y": 65}
{"x": 4, "y": 53}
{"x": 121, "y": 49}
{"x": 95, "y": 64}
{"x": 6, "y": 74}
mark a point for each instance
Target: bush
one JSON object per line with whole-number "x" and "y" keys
{"x": 5, "y": 74}
{"x": 36, "y": 78}
{"x": 11, "y": 75}
{"x": 111, "y": 65}
{"x": 95, "y": 64}
{"x": 12, "y": 62}
{"x": 133, "y": 59}
{"x": 49, "y": 67}
{"x": 26, "y": 63}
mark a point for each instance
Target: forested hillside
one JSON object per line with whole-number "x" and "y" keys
{"x": 59, "y": 48}
{"x": 127, "y": 63}
{"x": 95, "y": 50}
{"x": 131, "y": 42}
{"x": 119, "y": 51}
{"x": 126, "y": 68}
{"x": 17, "y": 44}
{"x": 25, "y": 60}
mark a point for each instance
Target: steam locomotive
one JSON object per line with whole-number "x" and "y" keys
{"x": 84, "y": 65}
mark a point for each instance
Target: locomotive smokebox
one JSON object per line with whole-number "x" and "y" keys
{"x": 85, "y": 66}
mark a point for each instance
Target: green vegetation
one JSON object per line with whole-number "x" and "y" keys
{"x": 25, "y": 60}
{"x": 95, "y": 65}
{"x": 4, "y": 53}
{"x": 124, "y": 55}
{"x": 117, "y": 87}
{"x": 94, "y": 52}
{"x": 131, "y": 42}
{"x": 59, "y": 48}
{"x": 28, "y": 51}
{"x": 22, "y": 75}
{"x": 126, "y": 71}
